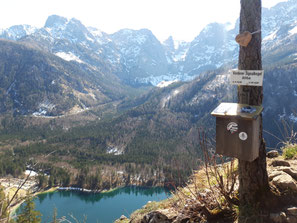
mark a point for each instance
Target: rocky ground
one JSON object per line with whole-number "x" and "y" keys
{"x": 183, "y": 205}
{"x": 283, "y": 177}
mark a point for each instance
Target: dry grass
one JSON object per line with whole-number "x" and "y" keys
{"x": 196, "y": 200}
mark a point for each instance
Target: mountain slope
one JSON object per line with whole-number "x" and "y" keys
{"x": 35, "y": 82}
{"x": 141, "y": 54}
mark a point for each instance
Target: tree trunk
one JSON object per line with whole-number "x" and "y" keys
{"x": 253, "y": 179}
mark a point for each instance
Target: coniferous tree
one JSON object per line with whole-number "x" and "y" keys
{"x": 42, "y": 180}
{"x": 253, "y": 179}
{"x": 28, "y": 213}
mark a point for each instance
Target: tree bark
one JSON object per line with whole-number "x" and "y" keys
{"x": 253, "y": 179}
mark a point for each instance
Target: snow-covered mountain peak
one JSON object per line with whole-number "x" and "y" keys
{"x": 213, "y": 28}
{"x": 18, "y": 31}
{"x": 95, "y": 32}
{"x": 55, "y": 21}
{"x": 132, "y": 36}
{"x": 76, "y": 24}
{"x": 169, "y": 43}
{"x": 281, "y": 14}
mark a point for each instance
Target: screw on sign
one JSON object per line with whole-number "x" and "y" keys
{"x": 232, "y": 127}
{"x": 243, "y": 136}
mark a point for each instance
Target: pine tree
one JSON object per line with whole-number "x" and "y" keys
{"x": 253, "y": 179}
{"x": 28, "y": 213}
{"x": 42, "y": 180}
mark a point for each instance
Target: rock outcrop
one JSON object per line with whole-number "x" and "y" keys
{"x": 283, "y": 175}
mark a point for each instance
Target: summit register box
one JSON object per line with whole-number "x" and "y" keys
{"x": 237, "y": 130}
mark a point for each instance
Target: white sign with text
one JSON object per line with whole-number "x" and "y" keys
{"x": 247, "y": 77}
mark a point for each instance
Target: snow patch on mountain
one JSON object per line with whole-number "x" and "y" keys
{"x": 156, "y": 80}
{"x": 140, "y": 39}
{"x": 68, "y": 56}
{"x": 169, "y": 61}
{"x": 29, "y": 29}
{"x": 89, "y": 38}
{"x": 179, "y": 43}
{"x": 271, "y": 36}
{"x": 293, "y": 31}
{"x": 114, "y": 150}
{"x": 44, "y": 108}
{"x": 163, "y": 84}
{"x": 99, "y": 36}
{"x": 95, "y": 32}
{"x": 133, "y": 51}
{"x": 180, "y": 56}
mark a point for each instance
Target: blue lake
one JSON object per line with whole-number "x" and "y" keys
{"x": 101, "y": 207}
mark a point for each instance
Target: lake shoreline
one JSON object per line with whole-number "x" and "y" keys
{"x": 13, "y": 209}
{"x": 87, "y": 190}
{"x": 104, "y": 207}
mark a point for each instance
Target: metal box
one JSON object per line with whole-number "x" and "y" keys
{"x": 237, "y": 130}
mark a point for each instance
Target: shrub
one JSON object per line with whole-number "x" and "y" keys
{"x": 290, "y": 151}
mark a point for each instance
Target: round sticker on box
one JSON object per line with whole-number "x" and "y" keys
{"x": 243, "y": 136}
{"x": 232, "y": 127}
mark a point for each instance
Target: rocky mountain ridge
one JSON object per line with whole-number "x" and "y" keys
{"x": 137, "y": 57}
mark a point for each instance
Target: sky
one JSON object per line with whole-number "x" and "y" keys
{"x": 182, "y": 19}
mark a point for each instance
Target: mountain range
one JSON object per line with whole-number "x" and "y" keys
{"x": 137, "y": 57}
